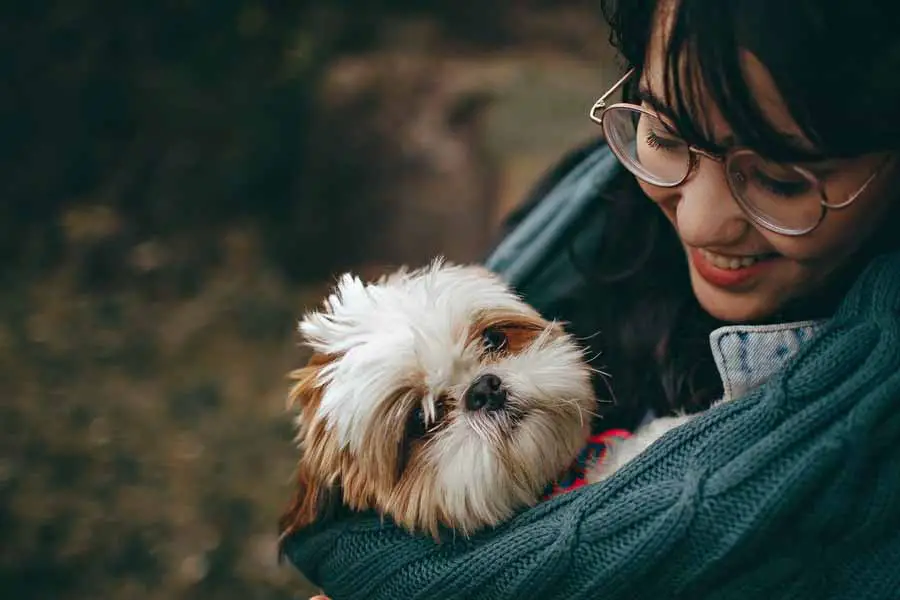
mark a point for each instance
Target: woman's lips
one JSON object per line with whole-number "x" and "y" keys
{"x": 729, "y": 271}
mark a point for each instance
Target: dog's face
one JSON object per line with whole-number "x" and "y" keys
{"x": 437, "y": 397}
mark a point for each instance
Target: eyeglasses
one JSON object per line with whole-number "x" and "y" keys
{"x": 782, "y": 198}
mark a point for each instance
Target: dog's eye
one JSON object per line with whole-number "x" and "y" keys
{"x": 416, "y": 426}
{"x": 494, "y": 339}
{"x": 440, "y": 408}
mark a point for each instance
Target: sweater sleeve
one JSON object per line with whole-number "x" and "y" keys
{"x": 650, "y": 528}
{"x": 769, "y": 496}
{"x": 579, "y": 545}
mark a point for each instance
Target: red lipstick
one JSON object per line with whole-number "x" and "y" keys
{"x": 728, "y": 278}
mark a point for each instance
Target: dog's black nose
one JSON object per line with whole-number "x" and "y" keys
{"x": 486, "y": 392}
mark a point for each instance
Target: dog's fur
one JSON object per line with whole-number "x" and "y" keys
{"x": 383, "y": 422}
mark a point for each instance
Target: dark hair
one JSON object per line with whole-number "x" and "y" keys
{"x": 637, "y": 306}
{"x": 823, "y": 57}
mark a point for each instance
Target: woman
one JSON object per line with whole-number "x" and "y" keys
{"x": 750, "y": 252}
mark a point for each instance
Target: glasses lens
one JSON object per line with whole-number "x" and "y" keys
{"x": 779, "y": 195}
{"x": 645, "y": 146}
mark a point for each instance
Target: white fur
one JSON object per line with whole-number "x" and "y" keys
{"x": 413, "y": 328}
{"x": 473, "y": 480}
{"x": 624, "y": 451}
{"x": 387, "y": 332}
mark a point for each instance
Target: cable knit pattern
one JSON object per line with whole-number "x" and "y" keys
{"x": 792, "y": 491}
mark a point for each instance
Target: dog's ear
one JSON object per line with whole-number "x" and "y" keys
{"x": 314, "y": 500}
{"x": 306, "y": 392}
{"x": 317, "y": 492}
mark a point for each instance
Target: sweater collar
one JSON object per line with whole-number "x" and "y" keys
{"x": 748, "y": 355}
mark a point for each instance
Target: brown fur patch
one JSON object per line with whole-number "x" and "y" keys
{"x": 327, "y": 474}
{"x": 412, "y": 502}
{"x": 389, "y": 421}
{"x": 310, "y": 496}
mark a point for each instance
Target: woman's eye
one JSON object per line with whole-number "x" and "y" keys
{"x": 494, "y": 339}
{"x": 780, "y": 187}
{"x": 658, "y": 142}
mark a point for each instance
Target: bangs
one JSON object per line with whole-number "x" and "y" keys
{"x": 703, "y": 73}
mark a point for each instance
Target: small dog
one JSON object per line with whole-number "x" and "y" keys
{"x": 437, "y": 397}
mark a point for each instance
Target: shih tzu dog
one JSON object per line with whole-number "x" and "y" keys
{"x": 437, "y": 397}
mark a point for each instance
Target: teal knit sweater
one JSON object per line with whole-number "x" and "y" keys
{"x": 790, "y": 492}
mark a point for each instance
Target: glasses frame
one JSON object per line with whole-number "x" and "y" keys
{"x": 726, "y": 159}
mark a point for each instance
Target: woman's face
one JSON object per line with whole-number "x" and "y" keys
{"x": 717, "y": 234}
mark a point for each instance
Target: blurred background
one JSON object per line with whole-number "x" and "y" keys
{"x": 180, "y": 179}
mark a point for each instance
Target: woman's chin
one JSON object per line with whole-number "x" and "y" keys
{"x": 734, "y": 306}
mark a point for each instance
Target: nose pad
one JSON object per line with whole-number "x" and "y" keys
{"x": 486, "y": 392}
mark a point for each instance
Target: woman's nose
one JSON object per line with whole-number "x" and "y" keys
{"x": 705, "y": 211}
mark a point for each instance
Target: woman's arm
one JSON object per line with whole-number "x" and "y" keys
{"x": 583, "y": 544}
{"x": 756, "y": 498}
